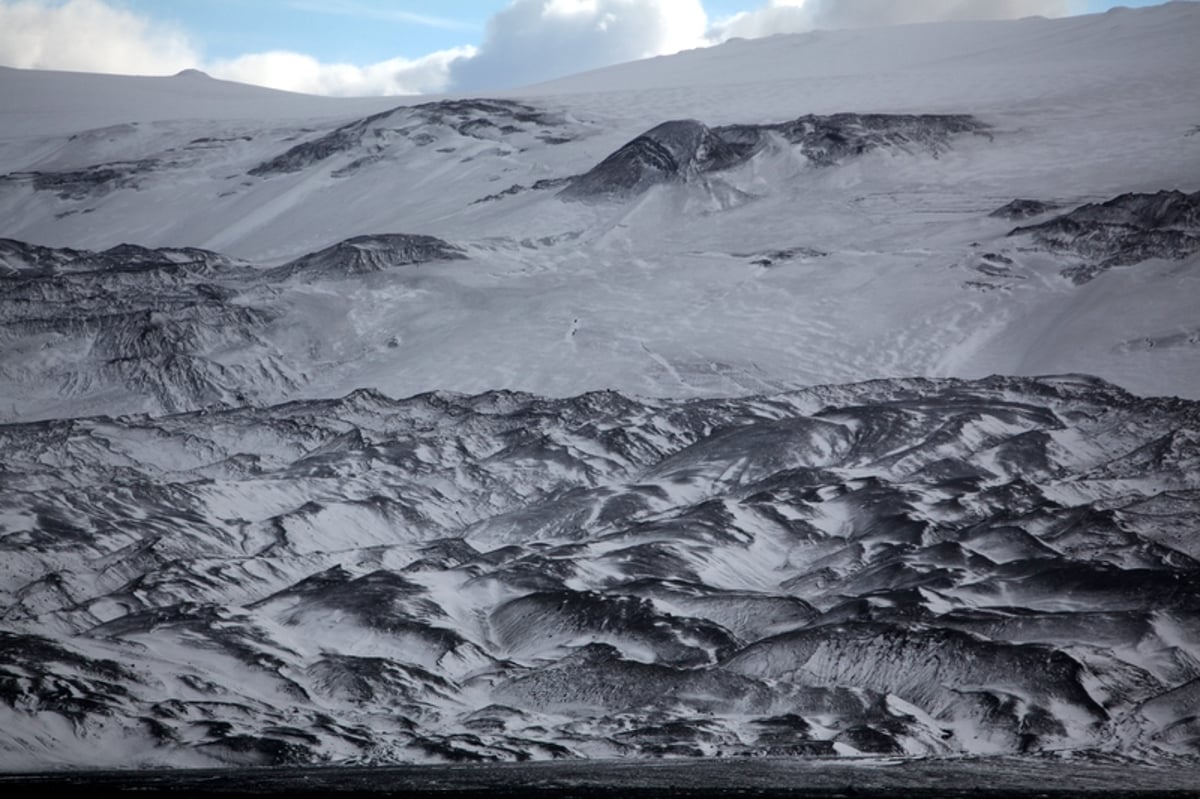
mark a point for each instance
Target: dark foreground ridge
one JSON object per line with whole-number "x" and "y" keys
{"x": 898, "y": 567}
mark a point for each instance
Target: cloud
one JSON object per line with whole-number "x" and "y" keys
{"x": 96, "y": 36}
{"x": 91, "y": 36}
{"x": 775, "y": 17}
{"x": 534, "y": 40}
{"x": 301, "y": 73}
{"x": 798, "y": 16}
{"x": 526, "y": 42}
{"x": 350, "y": 8}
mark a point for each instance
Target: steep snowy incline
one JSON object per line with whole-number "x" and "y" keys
{"x": 1037, "y": 63}
{"x": 832, "y": 219}
{"x": 135, "y": 329}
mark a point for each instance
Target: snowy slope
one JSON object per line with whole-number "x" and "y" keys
{"x": 42, "y": 102}
{"x": 658, "y": 294}
{"x": 698, "y": 533}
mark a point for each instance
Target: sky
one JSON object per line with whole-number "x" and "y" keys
{"x": 376, "y": 47}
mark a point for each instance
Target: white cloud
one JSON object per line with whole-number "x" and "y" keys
{"x": 97, "y": 36}
{"x": 526, "y": 42}
{"x": 535, "y": 40}
{"x": 350, "y": 8}
{"x": 797, "y": 16}
{"x": 301, "y": 73}
{"x": 779, "y": 16}
{"x": 90, "y": 36}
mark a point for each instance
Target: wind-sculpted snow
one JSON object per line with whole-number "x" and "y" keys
{"x": 898, "y": 566}
{"x": 1125, "y": 230}
{"x": 686, "y": 150}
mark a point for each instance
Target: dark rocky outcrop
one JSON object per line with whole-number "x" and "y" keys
{"x": 673, "y": 151}
{"x": 1023, "y": 209}
{"x": 1125, "y": 230}
{"x": 91, "y": 181}
{"x": 364, "y": 254}
{"x": 20, "y": 259}
{"x": 162, "y": 323}
{"x": 420, "y": 125}
{"x": 685, "y": 150}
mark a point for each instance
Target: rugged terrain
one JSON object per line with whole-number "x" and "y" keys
{"x": 697, "y": 406}
{"x": 907, "y": 566}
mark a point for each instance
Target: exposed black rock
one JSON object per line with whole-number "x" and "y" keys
{"x": 154, "y": 346}
{"x": 684, "y": 150}
{"x": 175, "y": 328}
{"x": 541, "y": 622}
{"x": 870, "y": 741}
{"x": 918, "y": 664}
{"x": 1125, "y": 230}
{"x": 673, "y": 151}
{"x": 681, "y": 738}
{"x": 377, "y": 681}
{"x": 773, "y": 257}
{"x": 363, "y": 254}
{"x": 91, "y": 181}
{"x": 596, "y": 678}
{"x": 253, "y": 750}
{"x": 39, "y": 675}
{"x": 544, "y": 184}
{"x": 420, "y": 125}
{"x": 829, "y": 140}
{"x": 1023, "y": 209}
{"x": 749, "y": 616}
{"x": 788, "y": 735}
{"x": 24, "y": 260}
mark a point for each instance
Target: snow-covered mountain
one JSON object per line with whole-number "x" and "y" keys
{"x": 701, "y": 454}
{"x": 900, "y": 566}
